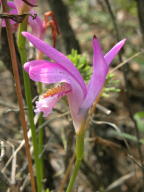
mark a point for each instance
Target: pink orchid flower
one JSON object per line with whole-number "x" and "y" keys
{"x": 12, "y": 10}
{"x": 61, "y": 70}
{"x": 36, "y": 24}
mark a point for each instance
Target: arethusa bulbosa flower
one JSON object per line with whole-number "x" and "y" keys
{"x": 21, "y": 8}
{"x": 61, "y": 70}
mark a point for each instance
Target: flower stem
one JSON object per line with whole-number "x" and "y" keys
{"x": 27, "y": 86}
{"x": 40, "y": 133}
{"x": 40, "y": 145}
{"x": 74, "y": 174}
{"x": 79, "y": 156}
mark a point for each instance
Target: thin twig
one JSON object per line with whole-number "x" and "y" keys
{"x": 29, "y": 136}
{"x": 11, "y": 107}
{"x": 24, "y": 184}
{"x": 115, "y": 127}
{"x": 120, "y": 181}
{"x": 140, "y": 11}
{"x": 49, "y": 120}
{"x": 103, "y": 109}
{"x": 15, "y": 153}
{"x": 2, "y": 148}
{"x": 6, "y": 104}
{"x": 123, "y": 138}
{"x": 13, "y": 169}
{"x": 104, "y": 142}
{"x": 136, "y": 161}
{"x": 19, "y": 93}
{"x": 126, "y": 61}
{"x": 113, "y": 19}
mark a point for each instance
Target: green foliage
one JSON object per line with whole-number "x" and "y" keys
{"x": 47, "y": 190}
{"x": 129, "y": 6}
{"x": 82, "y": 9}
{"x": 72, "y": 1}
{"x": 110, "y": 85}
{"x": 139, "y": 118}
{"x": 81, "y": 64}
{"x": 127, "y": 136}
{"x": 140, "y": 60}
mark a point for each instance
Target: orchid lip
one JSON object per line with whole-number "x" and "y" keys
{"x": 50, "y": 98}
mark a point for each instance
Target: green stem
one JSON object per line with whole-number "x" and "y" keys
{"x": 40, "y": 145}
{"x": 27, "y": 87}
{"x": 80, "y": 145}
{"x": 74, "y": 174}
{"x": 79, "y": 157}
{"x": 40, "y": 133}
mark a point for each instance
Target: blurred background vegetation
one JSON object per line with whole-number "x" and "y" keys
{"x": 115, "y": 139}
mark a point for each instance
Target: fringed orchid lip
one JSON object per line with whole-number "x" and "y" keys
{"x": 50, "y": 98}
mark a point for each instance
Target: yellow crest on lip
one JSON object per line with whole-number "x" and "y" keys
{"x": 62, "y": 88}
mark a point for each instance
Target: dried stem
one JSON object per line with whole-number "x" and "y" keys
{"x": 19, "y": 93}
{"x": 140, "y": 10}
{"x": 113, "y": 19}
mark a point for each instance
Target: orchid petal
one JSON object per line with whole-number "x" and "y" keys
{"x": 98, "y": 77}
{"x": 13, "y": 10}
{"x": 77, "y": 116}
{"x": 20, "y": 3}
{"x": 47, "y": 72}
{"x": 114, "y": 51}
{"x": 37, "y": 26}
{"x": 11, "y": 5}
{"x": 57, "y": 56}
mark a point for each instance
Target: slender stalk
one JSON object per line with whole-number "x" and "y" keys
{"x": 19, "y": 93}
{"x": 140, "y": 11}
{"x": 113, "y": 19}
{"x": 23, "y": 55}
{"x": 79, "y": 156}
{"x": 40, "y": 145}
{"x": 74, "y": 174}
{"x": 41, "y": 131}
{"x": 80, "y": 145}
